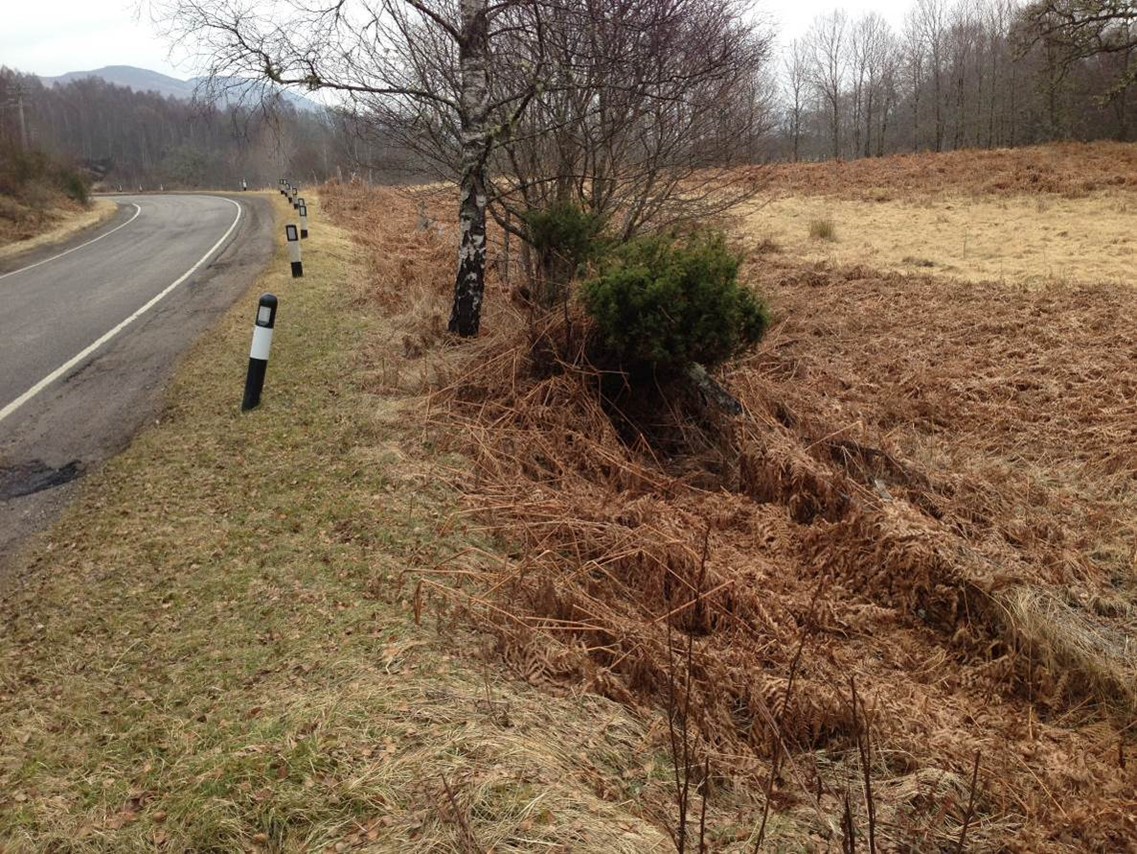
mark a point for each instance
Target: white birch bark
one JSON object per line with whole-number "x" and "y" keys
{"x": 473, "y": 60}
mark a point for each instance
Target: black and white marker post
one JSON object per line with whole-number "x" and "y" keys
{"x": 282, "y": 190}
{"x": 303, "y": 220}
{"x": 294, "y": 250}
{"x": 258, "y": 353}
{"x": 296, "y": 200}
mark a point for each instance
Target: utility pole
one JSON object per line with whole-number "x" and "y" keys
{"x": 19, "y": 96}
{"x": 16, "y": 99}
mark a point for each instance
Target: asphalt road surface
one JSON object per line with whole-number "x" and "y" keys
{"x": 91, "y": 330}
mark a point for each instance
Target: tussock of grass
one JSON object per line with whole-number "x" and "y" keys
{"x": 767, "y": 246}
{"x": 1091, "y": 649}
{"x": 822, "y": 229}
{"x": 216, "y": 649}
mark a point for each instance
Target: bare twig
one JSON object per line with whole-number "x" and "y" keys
{"x": 469, "y": 840}
{"x": 680, "y": 732}
{"x": 864, "y": 747}
{"x": 967, "y": 816}
{"x": 703, "y": 807}
{"x": 678, "y": 835}
{"x": 848, "y": 829}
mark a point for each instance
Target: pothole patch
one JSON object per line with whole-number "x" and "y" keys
{"x": 35, "y": 476}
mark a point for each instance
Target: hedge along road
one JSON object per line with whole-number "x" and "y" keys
{"x": 90, "y": 332}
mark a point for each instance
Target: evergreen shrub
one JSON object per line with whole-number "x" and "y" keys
{"x": 564, "y": 238}
{"x": 661, "y": 304}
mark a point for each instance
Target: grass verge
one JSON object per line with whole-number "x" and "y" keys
{"x": 56, "y": 226}
{"x": 221, "y": 647}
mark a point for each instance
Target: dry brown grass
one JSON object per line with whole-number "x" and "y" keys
{"x": 932, "y": 493}
{"x": 1011, "y": 240}
{"x": 1016, "y": 216}
{"x": 1070, "y": 170}
{"x": 23, "y": 228}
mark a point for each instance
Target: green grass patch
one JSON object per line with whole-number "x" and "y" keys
{"x": 216, "y": 648}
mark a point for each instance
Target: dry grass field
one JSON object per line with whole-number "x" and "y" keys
{"x": 929, "y": 504}
{"x": 1061, "y": 214}
{"x": 1017, "y": 240}
{"x": 1057, "y": 214}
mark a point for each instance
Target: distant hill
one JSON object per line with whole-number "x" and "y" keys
{"x": 143, "y": 80}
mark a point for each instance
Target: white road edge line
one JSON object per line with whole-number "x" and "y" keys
{"x": 76, "y": 360}
{"x": 137, "y": 211}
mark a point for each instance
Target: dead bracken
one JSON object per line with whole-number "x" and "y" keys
{"x": 929, "y": 501}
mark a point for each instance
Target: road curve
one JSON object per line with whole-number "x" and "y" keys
{"x": 56, "y": 308}
{"x": 90, "y": 331}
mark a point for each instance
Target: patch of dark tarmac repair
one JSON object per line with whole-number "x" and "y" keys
{"x": 36, "y": 476}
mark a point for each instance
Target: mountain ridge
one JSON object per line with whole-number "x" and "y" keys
{"x": 232, "y": 89}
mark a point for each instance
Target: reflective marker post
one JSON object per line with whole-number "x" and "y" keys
{"x": 295, "y": 198}
{"x": 258, "y": 353}
{"x": 282, "y": 190}
{"x": 303, "y": 220}
{"x": 294, "y": 250}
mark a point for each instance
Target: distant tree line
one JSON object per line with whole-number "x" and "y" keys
{"x": 120, "y": 136}
{"x": 959, "y": 74}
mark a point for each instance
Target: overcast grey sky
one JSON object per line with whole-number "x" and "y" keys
{"x": 51, "y": 37}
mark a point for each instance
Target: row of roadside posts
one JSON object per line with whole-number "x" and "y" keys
{"x": 266, "y": 307}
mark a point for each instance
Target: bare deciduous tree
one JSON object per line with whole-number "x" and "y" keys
{"x": 871, "y": 46}
{"x": 828, "y": 67}
{"x": 795, "y": 71}
{"x": 1072, "y": 33}
{"x": 1085, "y": 28}
{"x": 418, "y": 65}
{"x": 628, "y": 108}
{"x": 914, "y": 63}
{"x": 642, "y": 110}
{"x": 930, "y": 18}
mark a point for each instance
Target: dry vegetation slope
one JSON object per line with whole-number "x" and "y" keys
{"x": 41, "y": 200}
{"x": 932, "y": 499}
{"x": 53, "y": 226}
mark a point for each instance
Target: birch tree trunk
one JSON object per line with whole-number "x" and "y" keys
{"x": 473, "y": 60}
